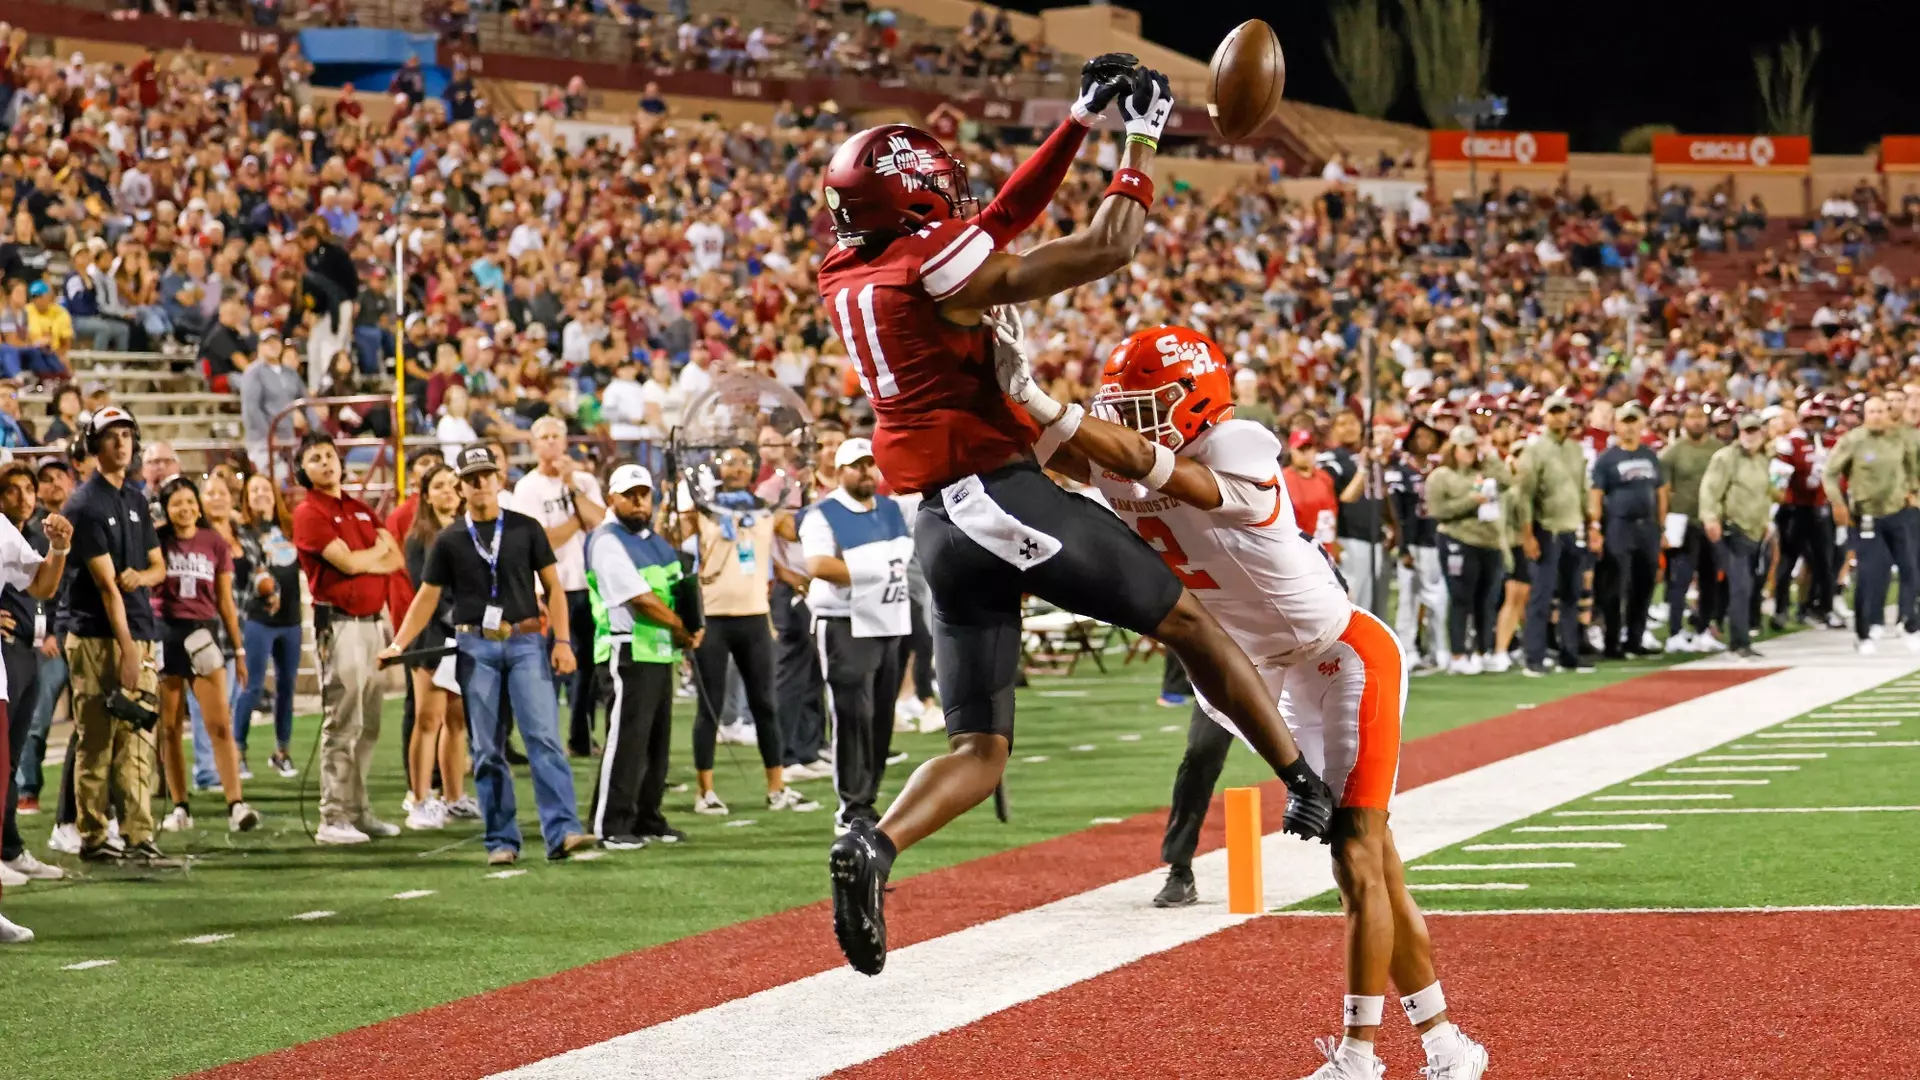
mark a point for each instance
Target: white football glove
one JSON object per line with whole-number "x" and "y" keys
{"x": 1102, "y": 79}
{"x": 1149, "y": 105}
{"x": 1013, "y": 365}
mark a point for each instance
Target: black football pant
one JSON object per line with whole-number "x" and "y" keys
{"x": 1193, "y": 784}
{"x": 633, "y": 766}
{"x": 748, "y": 640}
{"x": 863, "y": 682}
{"x": 1628, "y": 569}
{"x": 1806, "y": 534}
{"x": 798, "y": 684}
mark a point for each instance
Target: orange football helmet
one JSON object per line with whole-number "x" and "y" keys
{"x": 1168, "y": 383}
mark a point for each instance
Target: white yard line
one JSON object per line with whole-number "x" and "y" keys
{"x": 1636, "y": 827}
{"x": 1495, "y": 866}
{"x": 1734, "y": 768}
{"x": 838, "y": 1018}
{"x": 1697, "y": 783}
{"x": 1570, "y": 845}
{"x": 1840, "y": 724}
{"x": 1877, "y": 714}
{"x": 88, "y": 965}
{"x": 1757, "y": 757}
{"x": 1467, "y": 886}
{"x": 1826, "y": 745}
{"x": 1823, "y": 733}
{"x": 411, "y": 894}
{"x": 310, "y": 916}
{"x": 205, "y": 939}
{"x": 1638, "y": 811}
{"x": 1662, "y": 798}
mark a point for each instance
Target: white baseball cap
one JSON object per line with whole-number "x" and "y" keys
{"x": 627, "y": 477}
{"x": 851, "y": 451}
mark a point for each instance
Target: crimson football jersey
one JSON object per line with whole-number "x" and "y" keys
{"x": 939, "y": 412}
{"x": 1808, "y": 458}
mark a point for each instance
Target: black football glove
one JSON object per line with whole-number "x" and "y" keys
{"x": 1102, "y": 79}
{"x": 1309, "y": 803}
{"x": 1148, "y": 105}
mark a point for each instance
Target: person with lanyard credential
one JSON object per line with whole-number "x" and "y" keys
{"x": 489, "y": 558}
{"x": 857, "y": 547}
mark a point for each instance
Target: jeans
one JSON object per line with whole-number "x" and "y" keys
{"x": 372, "y": 346}
{"x": 280, "y": 644}
{"x": 518, "y": 670}
{"x": 153, "y": 319}
{"x": 109, "y": 335}
{"x": 17, "y": 358}
{"x": 46, "y": 694}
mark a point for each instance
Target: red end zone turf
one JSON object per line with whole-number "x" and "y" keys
{"x": 527, "y": 1022}
{"x": 1806, "y": 995}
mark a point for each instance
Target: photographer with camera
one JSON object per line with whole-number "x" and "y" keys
{"x": 113, "y": 643}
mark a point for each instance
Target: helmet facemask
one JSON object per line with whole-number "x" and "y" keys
{"x": 1149, "y": 412}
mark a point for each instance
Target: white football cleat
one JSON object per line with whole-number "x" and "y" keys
{"x": 1345, "y": 1066}
{"x": 1466, "y": 1060}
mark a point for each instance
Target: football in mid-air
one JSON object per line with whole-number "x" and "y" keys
{"x": 1248, "y": 74}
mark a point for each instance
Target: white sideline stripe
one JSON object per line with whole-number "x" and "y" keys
{"x": 1637, "y": 827}
{"x": 411, "y": 894}
{"x": 1745, "y": 810}
{"x": 1696, "y": 783}
{"x": 204, "y": 939}
{"x": 1736, "y": 768}
{"x": 1665, "y": 798}
{"x": 88, "y": 965}
{"x": 1829, "y": 745}
{"x": 1496, "y": 866}
{"x": 1840, "y": 724}
{"x": 1817, "y": 909}
{"x": 1759, "y": 757}
{"x": 1821, "y": 734}
{"x": 1880, "y": 714}
{"x": 956, "y": 979}
{"x": 1589, "y": 845}
{"x": 1468, "y": 886}
{"x": 310, "y": 916}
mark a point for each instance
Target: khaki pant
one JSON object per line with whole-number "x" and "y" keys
{"x": 115, "y": 760}
{"x": 351, "y": 690}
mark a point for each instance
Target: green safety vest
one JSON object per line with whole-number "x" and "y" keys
{"x": 652, "y": 643}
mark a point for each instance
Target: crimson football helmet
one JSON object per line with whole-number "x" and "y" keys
{"x": 1168, "y": 383}
{"x": 891, "y": 180}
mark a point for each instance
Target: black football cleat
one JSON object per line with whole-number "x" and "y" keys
{"x": 859, "y": 863}
{"x": 1179, "y": 890}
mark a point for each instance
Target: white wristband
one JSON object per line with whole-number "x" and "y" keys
{"x": 1162, "y": 470}
{"x": 1058, "y": 432}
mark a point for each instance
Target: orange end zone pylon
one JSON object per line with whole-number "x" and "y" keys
{"x": 1246, "y": 885}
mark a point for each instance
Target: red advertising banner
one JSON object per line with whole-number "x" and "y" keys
{"x": 1900, "y": 153}
{"x": 1514, "y": 148}
{"x": 1727, "y": 152}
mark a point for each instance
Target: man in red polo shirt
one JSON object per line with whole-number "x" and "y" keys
{"x": 347, "y": 558}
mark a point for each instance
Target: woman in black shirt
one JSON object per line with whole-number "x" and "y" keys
{"x": 271, "y": 630}
{"x": 439, "y": 720}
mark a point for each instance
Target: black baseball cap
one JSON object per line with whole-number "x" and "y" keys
{"x": 475, "y": 460}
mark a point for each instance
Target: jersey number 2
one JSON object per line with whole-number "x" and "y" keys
{"x": 876, "y": 379}
{"x": 1159, "y": 536}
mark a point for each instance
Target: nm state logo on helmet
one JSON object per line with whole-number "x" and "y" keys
{"x": 903, "y": 160}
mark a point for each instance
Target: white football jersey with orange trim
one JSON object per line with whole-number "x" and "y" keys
{"x": 1247, "y": 561}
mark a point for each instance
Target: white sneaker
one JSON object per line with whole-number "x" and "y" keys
{"x": 11, "y": 878}
{"x": 246, "y": 773}
{"x": 373, "y": 826}
{"x": 407, "y": 804}
{"x": 1497, "y": 663}
{"x": 816, "y": 770}
{"x": 1707, "y": 642}
{"x": 114, "y": 839}
{"x": 895, "y": 759}
{"x": 1466, "y": 1060}
{"x": 12, "y": 933}
{"x": 1681, "y": 642}
{"x": 739, "y": 735}
{"x": 789, "y": 799}
{"x": 934, "y": 720}
{"x": 427, "y": 816}
{"x": 1474, "y": 666}
{"x": 1876, "y": 631}
{"x": 1460, "y": 666}
{"x": 1865, "y": 647}
{"x": 1345, "y": 1066}
{"x": 465, "y": 808}
{"x": 1596, "y": 637}
{"x": 710, "y": 805}
{"x": 910, "y": 708}
{"x": 65, "y": 839}
{"x": 242, "y": 818}
{"x": 904, "y": 724}
{"x": 1649, "y": 642}
{"x": 339, "y": 834}
{"x": 1657, "y": 613}
{"x": 1913, "y": 641}
{"x": 34, "y": 868}
{"x": 177, "y": 820}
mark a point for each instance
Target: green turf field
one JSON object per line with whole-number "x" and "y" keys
{"x": 1109, "y": 752}
{"x": 1855, "y": 753}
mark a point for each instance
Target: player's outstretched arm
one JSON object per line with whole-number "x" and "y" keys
{"x": 1105, "y": 245}
{"x": 1072, "y": 441}
{"x": 1025, "y": 195}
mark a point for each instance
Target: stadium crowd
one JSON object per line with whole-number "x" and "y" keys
{"x": 1508, "y": 419}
